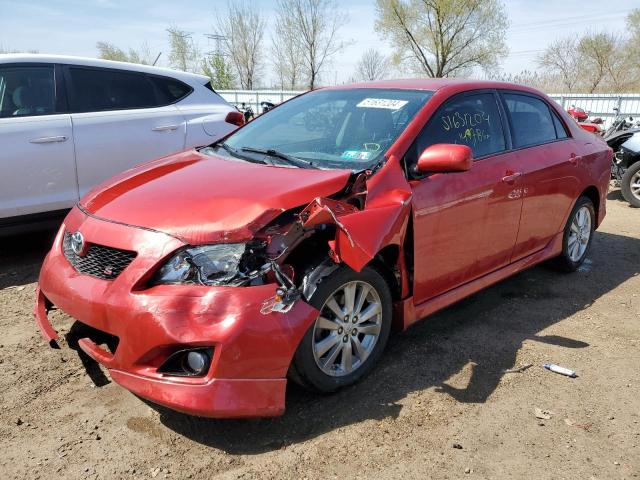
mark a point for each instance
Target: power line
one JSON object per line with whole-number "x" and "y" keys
{"x": 569, "y": 20}
{"x": 556, "y": 25}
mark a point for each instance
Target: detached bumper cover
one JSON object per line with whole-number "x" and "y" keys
{"x": 252, "y": 351}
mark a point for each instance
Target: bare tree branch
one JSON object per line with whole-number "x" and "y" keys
{"x": 445, "y": 36}
{"x": 372, "y": 66}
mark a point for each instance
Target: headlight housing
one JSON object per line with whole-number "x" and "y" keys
{"x": 208, "y": 265}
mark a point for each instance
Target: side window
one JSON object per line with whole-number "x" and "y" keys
{"x": 96, "y": 89}
{"x": 26, "y": 91}
{"x": 531, "y": 120}
{"x": 561, "y": 131}
{"x": 169, "y": 90}
{"x": 472, "y": 120}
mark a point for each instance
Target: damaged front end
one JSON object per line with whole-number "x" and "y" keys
{"x": 303, "y": 245}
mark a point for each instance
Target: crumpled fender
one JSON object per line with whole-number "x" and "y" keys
{"x": 361, "y": 234}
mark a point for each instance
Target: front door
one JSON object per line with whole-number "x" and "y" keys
{"x": 465, "y": 224}
{"x": 37, "y": 167}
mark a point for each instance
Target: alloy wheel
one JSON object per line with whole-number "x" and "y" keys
{"x": 635, "y": 185}
{"x": 580, "y": 234}
{"x": 347, "y": 329}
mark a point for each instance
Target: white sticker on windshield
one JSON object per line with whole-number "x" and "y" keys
{"x": 387, "y": 103}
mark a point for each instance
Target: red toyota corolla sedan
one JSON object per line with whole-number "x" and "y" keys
{"x": 293, "y": 247}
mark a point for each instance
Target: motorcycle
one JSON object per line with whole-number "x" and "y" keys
{"x": 247, "y": 111}
{"x": 266, "y": 106}
{"x": 620, "y": 123}
{"x": 582, "y": 118}
{"x": 624, "y": 139}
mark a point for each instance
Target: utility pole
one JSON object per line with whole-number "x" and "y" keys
{"x": 218, "y": 39}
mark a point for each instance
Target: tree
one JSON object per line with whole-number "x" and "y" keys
{"x": 596, "y": 50}
{"x": 442, "y": 38}
{"x": 3, "y": 49}
{"x": 108, "y": 51}
{"x": 316, "y": 24}
{"x": 243, "y": 29}
{"x": 562, "y": 58}
{"x": 218, "y": 70}
{"x": 184, "y": 54}
{"x": 372, "y": 66}
{"x": 286, "y": 50}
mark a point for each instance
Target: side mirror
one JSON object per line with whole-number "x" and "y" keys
{"x": 445, "y": 157}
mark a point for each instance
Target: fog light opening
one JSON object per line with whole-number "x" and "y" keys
{"x": 193, "y": 362}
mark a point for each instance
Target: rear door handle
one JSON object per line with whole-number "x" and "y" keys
{"x": 511, "y": 177}
{"x": 574, "y": 159}
{"x": 164, "y": 128}
{"x": 59, "y": 138}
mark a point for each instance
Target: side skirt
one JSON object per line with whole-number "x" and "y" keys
{"x": 406, "y": 313}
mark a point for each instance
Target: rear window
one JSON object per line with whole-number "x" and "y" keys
{"x": 531, "y": 120}
{"x": 561, "y": 131}
{"x": 26, "y": 91}
{"x": 100, "y": 89}
{"x": 169, "y": 90}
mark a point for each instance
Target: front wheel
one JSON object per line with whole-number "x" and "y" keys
{"x": 578, "y": 234}
{"x": 349, "y": 336}
{"x": 630, "y": 185}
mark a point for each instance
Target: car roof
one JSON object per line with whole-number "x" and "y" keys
{"x": 97, "y": 62}
{"x": 433, "y": 84}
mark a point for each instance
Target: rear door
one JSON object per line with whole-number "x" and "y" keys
{"x": 120, "y": 119}
{"x": 547, "y": 158}
{"x": 465, "y": 224}
{"x": 37, "y": 169}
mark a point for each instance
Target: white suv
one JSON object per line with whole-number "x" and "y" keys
{"x": 67, "y": 124}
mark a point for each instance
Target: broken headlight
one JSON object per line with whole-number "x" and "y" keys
{"x": 208, "y": 265}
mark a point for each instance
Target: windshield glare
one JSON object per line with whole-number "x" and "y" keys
{"x": 350, "y": 128}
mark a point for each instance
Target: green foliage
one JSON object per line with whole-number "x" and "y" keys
{"x": 219, "y": 71}
{"x": 444, "y": 38}
{"x": 109, "y": 51}
{"x": 184, "y": 54}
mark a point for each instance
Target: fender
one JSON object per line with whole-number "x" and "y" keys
{"x": 361, "y": 234}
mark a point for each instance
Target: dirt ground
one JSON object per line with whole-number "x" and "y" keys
{"x": 441, "y": 405}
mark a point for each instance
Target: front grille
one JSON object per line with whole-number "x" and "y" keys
{"x": 99, "y": 261}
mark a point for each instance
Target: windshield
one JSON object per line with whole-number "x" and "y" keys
{"x": 350, "y": 128}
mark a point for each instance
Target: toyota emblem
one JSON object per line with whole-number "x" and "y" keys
{"x": 77, "y": 243}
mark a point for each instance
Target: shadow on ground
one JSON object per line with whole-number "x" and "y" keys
{"x": 21, "y": 257}
{"x": 484, "y": 331}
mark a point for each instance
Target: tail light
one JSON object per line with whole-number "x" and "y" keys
{"x": 235, "y": 118}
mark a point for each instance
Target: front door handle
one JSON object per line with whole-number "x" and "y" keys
{"x": 59, "y": 138}
{"x": 574, "y": 159}
{"x": 165, "y": 128}
{"x": 511, "y": 177}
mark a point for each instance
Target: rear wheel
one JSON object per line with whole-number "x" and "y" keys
{"x": 630, "y": 185}
{"x": 350, "y": 334}
{"x": 578, "y": 234}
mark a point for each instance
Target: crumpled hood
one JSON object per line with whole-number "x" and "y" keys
{"x": 200, "y": 198}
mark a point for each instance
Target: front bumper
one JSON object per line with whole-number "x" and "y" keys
{"x": 252, "y": 350}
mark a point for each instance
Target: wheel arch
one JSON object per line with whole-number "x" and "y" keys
{"x": 386, "y": 262}
{"x": 593, "y": 194}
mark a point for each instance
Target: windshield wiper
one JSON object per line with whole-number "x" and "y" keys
{"x": 298, "y": 162}
{"x": 234, "y": 153}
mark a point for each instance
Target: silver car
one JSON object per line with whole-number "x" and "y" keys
{"x": 68, "y": 123}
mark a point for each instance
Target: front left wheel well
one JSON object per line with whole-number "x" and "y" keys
{"x": 386, "y": 263}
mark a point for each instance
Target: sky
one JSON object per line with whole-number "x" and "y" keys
{"x": 73, "y": 27}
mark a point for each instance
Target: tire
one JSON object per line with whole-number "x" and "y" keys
{"x": 321, "y": 360}
{"x": 630, "y": 178}
{"x": 572, "y": 256}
